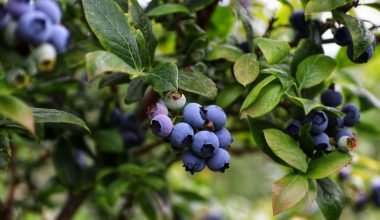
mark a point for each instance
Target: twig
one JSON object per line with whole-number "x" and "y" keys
{"x": 73, "y": 202}
{"x": 148, "y": 147}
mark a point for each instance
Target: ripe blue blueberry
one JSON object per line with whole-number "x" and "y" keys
{"x": 334, "y": 123}
{"x": 59, "y": 38}
{"x": 224, "y": 137}
{"x": 34, "y": 27}
{"x": 50, "y": 8}
{"x": 116, "y": 117}
{"x": 294, "y": 128}
{"x": 297, "y": 20}
{"x": 319, "y": 121}
{"x": 216, "y": 116}
{"x": 194, "y": 115}
{"x": 18, "y": 7}
{"x": 321, "y": 142}
{"x": 342, "y": 36}
{"x": 192, "y": 162}
{"x": 363, "y": 58}
{"x": 352, "y": 115}
{"x": 205, "y": 144}
{"x": 220, "y": 161}
{"x": 161, "y": 125}
{"x": 175, "y": 100}
{"x": 344, "y": 173}
{"x": 181, "y": 135}
{"x": 343, "y": 132}
{"x": 331, "y": 98}
{"x": 5, "y": 17}
{"x": 157, "y": 109}
{"x": 360, "y": 201}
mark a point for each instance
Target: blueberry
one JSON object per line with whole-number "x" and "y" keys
{"x": 297, "y": 20}
{"x": 342, "y": 36}
{"x": 343, "y": 132}
{"x": 224, "y": 137}
{"x": 294, "y": 128}
{"x": 205, "y": 144}
{"x": 216, "y": 116}
{"x": 352, "y": 115}
{"x": 346, "y": 141}
{"x": 244, "y": 46}
{"x": 194, "y": 115}
{"x": 45, "y": 56}
{"x": 5, "y": 17}
{"x": 133, "y": 138}
{"x": 18, "y": 7}
{"x": 344, "y": 173}
{"x": 331, "y": 98}
{"x": 319, "y": 121}
{"x": 157, "y": 109}
{"x": 181, "y": 135}
{"x": 18, "y": 78}
{"x": 321, "y": 142}
{"x": 128, "y": 122}
{"x": 34, "y": 27}
{"x": 220, "y": 161}
{"x": 161, "y": 126}
{"x": 376, "y": 192}
{"x": 363, "y": 58}
{"x": 50, "y": 8}
{"x": 116, "y": 117}
{"x": 334, "y": 123}
{"x": 360, "y": 201}
{"x": 192, "y": 162}
{"x": 175, "y": 100}
{"x": 59, "y": 38}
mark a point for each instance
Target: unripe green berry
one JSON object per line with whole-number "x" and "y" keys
{"x": 175, "y": 100}
{"x": 45, "y": 56}
{"x": 18, "y": 78}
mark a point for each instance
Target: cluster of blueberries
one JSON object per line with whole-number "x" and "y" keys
{"x": 323, "y": 126}
{"x": 129, "y": 127}
{"x": 37, "y": 23}
{"x": 202, "y": 132}
{"x": 342, "y": 37}
{"x": 361, "y": 198}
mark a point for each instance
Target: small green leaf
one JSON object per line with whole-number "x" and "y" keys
{"x": 327, "y": 165}
{"x": 136, "y": 90}
{"x": 228, "y": 95}
{"x": 362, "y": 37}
{"x": 246, "y": 69}
{"x": 267, "y": 100}
{"x": 274, "y": 50}
{"x": 166, "y": 9}
{"x": 143, "y": 49}
{"x": 306, "y": 140}
{"x": 16, "y": 110}
{"x": 287, "y": 192}
{"x": 315, "y": 6}
{"x": 286, "y": 148}
{"x": 110, "y": 25}
{"x": 310, "y": 105}
{"x": 197, "y": 5}
{"x": 285, "y": 78}
{"x": 100, "y": 63}
{"x": 163, "y": 77}
{"x": 115, "y": 190}
{"x": 43, "y": 115}
{"x": 228, "y": 52}
{"x": 198, "y": 83}
{"x": 109, "y": 140}
{"x": 330, "y": 199}
{"x": 252, "y": 96}
{"x": 314, "y": 69}
{"x": 305, "y": 48}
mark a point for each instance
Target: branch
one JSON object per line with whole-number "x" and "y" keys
{"x": 73, "y": 202}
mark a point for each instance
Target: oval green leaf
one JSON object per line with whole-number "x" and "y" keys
{"x": 251, "y": 97}
{"x": 166, "y": 9}
{"x": 16, "y": 110}
{"x": 330, "y": 199}
{"x": 315, "y": 6}
{"x": 246, "y": 69}
{"x": 227, "y": 52}
{"x": 163, "y": 78}
{"x": 325, "y": 166}
{"x": 198, "y": 83}
{"x": 274, "y": 50}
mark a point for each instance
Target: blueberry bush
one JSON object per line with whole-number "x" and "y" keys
{"x": 127, "y": 109}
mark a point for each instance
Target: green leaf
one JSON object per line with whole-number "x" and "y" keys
{"x": 327, "y": 165}
{"x": 133, "y": 169}
{"x": 43, "y": 115}
{"x": 330, "y": 199}
{"x": 362, "y": 37}
{"x": 136, "y": 90}
{"x": 246, "y": 69}
{"x": 163, "y": 77}
{"x": 109, "y": 140}
{"x": 115, "y": 190}
{"x": 310, "y": 105}
{"x": 305, "y": 48}
{"x": 114, "y": 79}
{"x": 110, "y": 25}
{"x": 214, "y": 27}
{"x": 285, "y": 78}
{"x": 267, "y": 100}
{"x": 314, "y": 69}
{"x": 16, "y": 110}
{"x": 197, "y": 5}
{"x": 228, "y": 52}
{"x": 228, "y": 95}
{"x": 274, "y": 50}
{"x": 101, "y": 63}
{"x": 315, "y": 6}
{"x": 198, "y": 83}
{"x": 286, "y": 148}
{"x": 287, "y": 192}
{"x": 143, "y": 49}
{"x": 166, "y": 9}
{"x": 306, "y": 140}
{"x": 142, "y": 22}
{"x": 313, "y": 191}
{"x": 254, "y": 93}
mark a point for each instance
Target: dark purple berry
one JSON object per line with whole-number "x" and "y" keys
{"x": 297, "y": 20}
{"x": 293, "y": 129}
{"x": 157, "y": 109}
{"x": 363, "y": 58}
{"x": 161, "y": 125}
{"x": 34, "y": 27}
{"x": 331, "y": 98}
{"x": 205, "y": 144}
{"x": 360, "y": 201}
{"x": 194, "y": 115}
{"x": 376, "y": 192}
{"x": 319, "y": 121}
{"x": 216, "y": 116}
{"x": 18, "y": 7}
{"x": 181, "y": 135}
{"x": 220, "y": 161}
{"x": 352, "y": 115}
{"x": 335, "y": 123}
{"x": 342, "y": 36}
{"x": 50, "y": 8}
{"x": 321, "y": 142}
{"x": 192, "y": 162}
{"x": 59, "y": 38}
{"x": 224, "y": 137}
